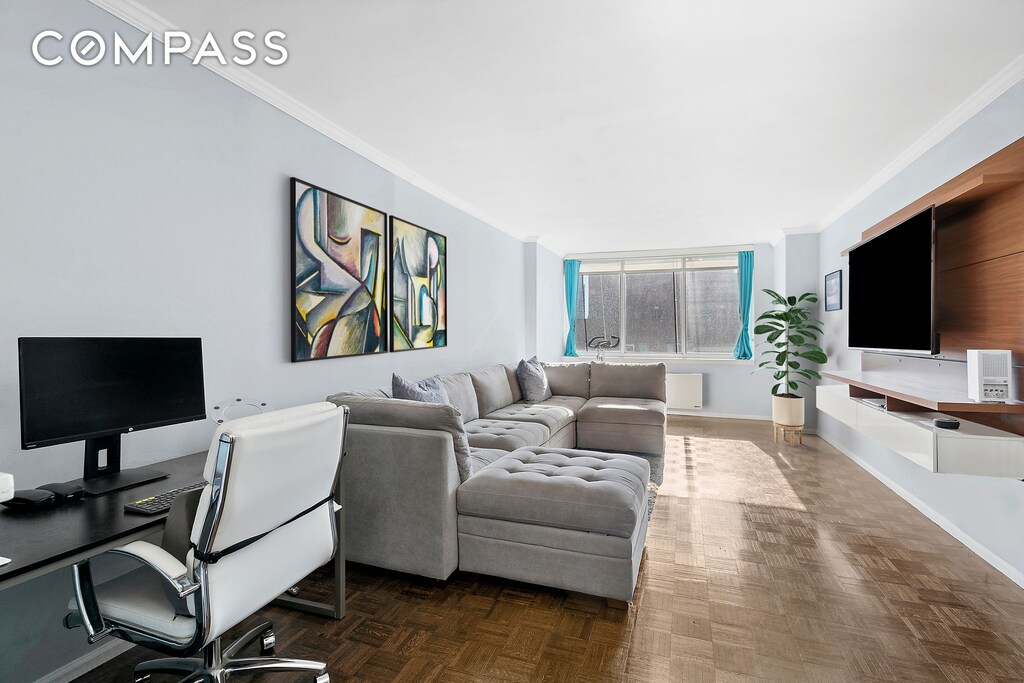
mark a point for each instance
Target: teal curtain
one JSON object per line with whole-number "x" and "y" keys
{"x": 743, "y": 350}
{"x": 572, "y": 284}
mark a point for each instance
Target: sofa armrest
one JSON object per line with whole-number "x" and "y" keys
{"x": 396, "y": 412}
{"x": 399, "y": 502}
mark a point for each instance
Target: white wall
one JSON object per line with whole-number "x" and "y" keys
{"x": 154, "y": 201}
{"x": 986, "y": 512}
{"x": 549, "y": 305}
{"x": 796, "y": 272}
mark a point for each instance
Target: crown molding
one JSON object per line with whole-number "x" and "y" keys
{"x": 802, "y": 230}
{"x": 1006, "y": 78}
{"x": 658, "y": 253}
{"x": 147, "y": 21}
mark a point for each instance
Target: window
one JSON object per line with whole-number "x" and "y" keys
{"x": 679, "y": 305}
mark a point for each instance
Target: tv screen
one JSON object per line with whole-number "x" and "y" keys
{"x": 73, "y": 389}
{"x": 891, "y": 289}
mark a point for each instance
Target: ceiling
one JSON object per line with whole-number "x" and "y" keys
{"x": 604, "y": 125}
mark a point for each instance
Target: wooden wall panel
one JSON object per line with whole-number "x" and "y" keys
{"x": 991, "y": 229}
{"x": 981, "y": 306}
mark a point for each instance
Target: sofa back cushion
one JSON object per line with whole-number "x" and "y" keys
{"x": 382, "y": 392}
{"x": 461, "y": 394}
{"x": 397, "y": 412}
{"x": 492, "y": 388}
{"x": 633, "y": 380}
{"x": 568, "y": 379}
{"x": 513, "y": 383}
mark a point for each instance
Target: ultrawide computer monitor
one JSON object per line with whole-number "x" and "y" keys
{"x": 95, "y": 389}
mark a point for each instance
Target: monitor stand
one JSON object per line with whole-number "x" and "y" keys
{"x": 100, "y": 479}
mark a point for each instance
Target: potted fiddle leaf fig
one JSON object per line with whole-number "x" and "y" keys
{"x": 792, "y": 335}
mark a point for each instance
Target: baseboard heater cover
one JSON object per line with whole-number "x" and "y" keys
{"x": 684, "y": 391}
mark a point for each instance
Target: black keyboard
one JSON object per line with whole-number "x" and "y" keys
{"x": 154, "y": 505}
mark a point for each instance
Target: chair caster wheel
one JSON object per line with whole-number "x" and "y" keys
{"x": 142, "y": 678}
{"x": 267, "y": 642}
{"x": 322, "y": 678}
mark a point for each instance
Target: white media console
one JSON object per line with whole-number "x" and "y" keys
{"x": 971, "y": 449}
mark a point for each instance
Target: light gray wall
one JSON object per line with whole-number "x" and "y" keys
{"x": 154, "y": 201}
{"x": 796, "y": 272}
{"x": 531, "y": 296}
{"x": 779, "y": 260}
{"x": 551, "y": 322}
{"x": 987, "y": 511}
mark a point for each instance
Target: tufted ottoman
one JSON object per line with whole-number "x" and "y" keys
{"x": 559, "y": 517}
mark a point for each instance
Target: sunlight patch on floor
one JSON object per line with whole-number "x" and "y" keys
{"x": 730, "y": 470}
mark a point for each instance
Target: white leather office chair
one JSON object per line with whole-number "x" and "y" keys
{"x": 265, "y": 521}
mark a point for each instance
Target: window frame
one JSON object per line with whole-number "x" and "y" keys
{"x": 637, "y": 259}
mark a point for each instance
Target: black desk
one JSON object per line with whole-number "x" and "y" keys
{"x": 43, "y": 541}
{"x": 40, "y": 542}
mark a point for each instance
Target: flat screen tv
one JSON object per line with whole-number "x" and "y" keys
{"x": 892, "y": 289}
{"x": 95, "y": 389}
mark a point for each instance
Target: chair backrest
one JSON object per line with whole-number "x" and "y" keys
{"x": 271, "y": 474}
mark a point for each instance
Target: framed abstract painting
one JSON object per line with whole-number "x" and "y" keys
{"x": 419, "y": 285}
{"x": 339, "y": 262}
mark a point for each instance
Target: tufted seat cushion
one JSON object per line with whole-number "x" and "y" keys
{"x": 573, "y": 403}
{"x": 609, "y": 409}
{"x": 505, "y": 434}
{"x": 559, "y": 487}
{"x": 554, "y": 413}
{"x": 480, "y": 458}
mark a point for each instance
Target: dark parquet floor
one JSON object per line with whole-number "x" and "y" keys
{"x": 764, "y": 562}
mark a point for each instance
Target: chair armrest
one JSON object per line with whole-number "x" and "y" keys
{"x": 154, "y": 557}
{"x": 165, "y": 564}
{"x": 88, "y": 607}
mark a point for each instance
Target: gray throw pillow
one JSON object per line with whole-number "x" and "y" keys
{"x": 533, "y": 381}
{"x": 429, "y": 390}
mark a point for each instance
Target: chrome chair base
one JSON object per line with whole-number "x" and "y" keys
{"x": 217, "y": 666}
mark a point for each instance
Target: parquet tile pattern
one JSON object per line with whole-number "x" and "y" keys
{"x": 764, "y": 562}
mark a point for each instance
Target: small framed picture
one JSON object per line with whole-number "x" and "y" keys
{"x": 834, "y": 291}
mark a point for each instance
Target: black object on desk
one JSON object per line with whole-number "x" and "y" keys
{"x": 154, "y": 505}
{"x": 68, "y": 492}
{"x": 31, "y": 499}
{"x": 946, "y": 423}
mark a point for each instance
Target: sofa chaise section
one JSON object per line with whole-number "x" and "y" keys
{"x": 626, "y": 409}
{"x": 564, "y": 518}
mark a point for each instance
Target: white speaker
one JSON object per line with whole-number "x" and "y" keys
{"x": 990, "y": 376}
{"x": 6, "y": 486}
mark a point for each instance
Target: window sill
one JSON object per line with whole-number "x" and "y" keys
{"x": 666, "y": 358}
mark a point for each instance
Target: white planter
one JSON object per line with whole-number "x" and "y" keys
{"x": 788, "y": 411}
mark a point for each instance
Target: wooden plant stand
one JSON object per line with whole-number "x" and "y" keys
{"x": 791, "y": 435}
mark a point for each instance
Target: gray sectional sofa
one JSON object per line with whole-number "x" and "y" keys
{"x": 495, "y": 485}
